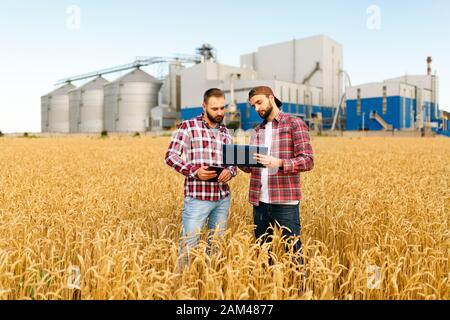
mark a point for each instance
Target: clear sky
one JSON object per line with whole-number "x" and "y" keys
{"x": 43, "y": 41}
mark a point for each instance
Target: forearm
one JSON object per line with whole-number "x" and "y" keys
{"x": 302, "y": 163}
{"x": 303, "y": 159}
{"x": 180, "y": 165}
{"x": 180, "y": 142}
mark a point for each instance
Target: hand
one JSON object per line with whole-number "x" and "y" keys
{"x": 268, "y": 161}
{"x": 204, "y": 175}
{"x": 225, "y": 176}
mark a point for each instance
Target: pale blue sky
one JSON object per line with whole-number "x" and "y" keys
{"x": 37, "y": 47}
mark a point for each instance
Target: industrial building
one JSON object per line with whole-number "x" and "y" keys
{"x": 307, "y": 75}
{"x": 199, "y": 78}
{"x": 445, "y": 125}
{"x": 410, "y": 102}
{"x": 167, "y": 112}
{"x": 314, "y": 62}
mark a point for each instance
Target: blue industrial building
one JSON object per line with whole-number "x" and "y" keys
{"x": 444, "y": 124}
{"x": 406, "y": 103}
{"x": 305, "y": 74}
{"x": 250, "y": 118}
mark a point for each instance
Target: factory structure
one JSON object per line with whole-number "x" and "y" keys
{"x": 409, "y": 103}
{"x": 307, "y": 75}
{"x": 304, "y": 74}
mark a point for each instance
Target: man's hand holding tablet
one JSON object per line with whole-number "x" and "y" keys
{"x": 214, "y": 174}
{"x": 205, "y": 174}
{"x": 268, "y": 161}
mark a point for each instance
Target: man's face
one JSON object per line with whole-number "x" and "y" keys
{"x": 215, "y": 109}
{"x": 262, "y": 105}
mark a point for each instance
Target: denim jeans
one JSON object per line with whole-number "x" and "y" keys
{"x": 195, "y": 214}
{"x": 266, "y": 216}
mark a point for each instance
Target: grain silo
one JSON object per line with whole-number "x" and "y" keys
{"x": 55, "y": 110}
{"x": 86, "y": 108}
{"x": 129, "y": 101}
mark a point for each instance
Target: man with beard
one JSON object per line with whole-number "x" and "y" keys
{"x": 275, "y": 190}
{"x": 207, "y": 196}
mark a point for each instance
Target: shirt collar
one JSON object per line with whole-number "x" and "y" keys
{"x": 277, "y": 119}
{"x": 279, "y": 116}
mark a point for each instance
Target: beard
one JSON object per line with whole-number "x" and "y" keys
{"x": 216, "y": 120}
{"x": 266, "y": 113}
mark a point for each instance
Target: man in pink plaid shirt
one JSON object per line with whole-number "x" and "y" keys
{"x": 207, "y": 197}
{"x": 275, "y": 190}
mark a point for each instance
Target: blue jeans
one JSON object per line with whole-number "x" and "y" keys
{"x": 195, "y": 214}
{"x": 268, "y": 216}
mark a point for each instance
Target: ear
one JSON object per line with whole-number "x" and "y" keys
{"x": 272, "y": 101}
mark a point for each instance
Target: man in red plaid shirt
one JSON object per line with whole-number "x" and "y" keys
{"x": 207, "y": 197}
{"x": 275, "y": 190}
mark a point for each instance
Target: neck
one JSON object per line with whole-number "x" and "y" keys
{"x": 274, "y": 114}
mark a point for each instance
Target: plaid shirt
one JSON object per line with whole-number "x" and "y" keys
{"x": 291, "y": 143}
{"x": 202, "y": 146}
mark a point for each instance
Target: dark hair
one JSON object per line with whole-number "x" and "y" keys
{"x": 214, "y": 92}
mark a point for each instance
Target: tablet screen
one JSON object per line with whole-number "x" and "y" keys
{"x": 242, "y": 155}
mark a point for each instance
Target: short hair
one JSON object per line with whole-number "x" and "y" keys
{"x": 214, "y": 92}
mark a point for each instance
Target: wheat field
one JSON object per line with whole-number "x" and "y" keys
{"x": 375, "y": 224}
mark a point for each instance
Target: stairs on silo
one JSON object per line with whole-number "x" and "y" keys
{"x": 375, "y": 116}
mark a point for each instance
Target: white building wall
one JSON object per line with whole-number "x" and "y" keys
{"x": 426, "y": 95}
{"x": 332, "y": 78}
{"x": 373, "y": 90}
{"x": 163, "y": 117}
{"x": 407, "y": 91}
{"x": 281, "y": 90}
{"x": 293, "y": 61}
{"x": 199, "y": 78}
{"x": 423, "y": 82}
{"x": 248, "y": 61}
{"x": 242, "y": 88}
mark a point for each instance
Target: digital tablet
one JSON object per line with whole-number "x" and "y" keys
{"x": 242, "y": 155}
{"x": 218, "y": 171}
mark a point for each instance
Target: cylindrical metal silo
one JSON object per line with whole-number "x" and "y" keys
{"x": 55, "y": 110}
{"x": 86, "y": 108}
{"x": 129, "y": 101}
